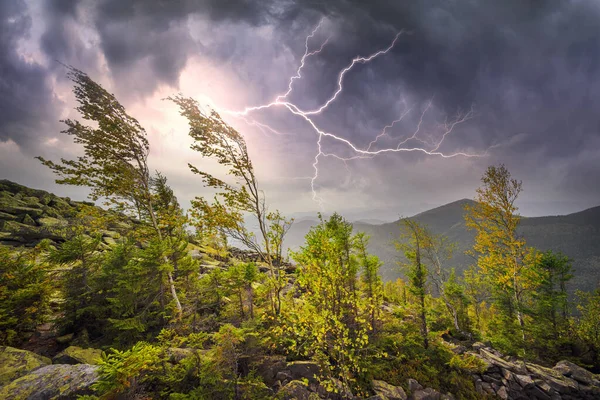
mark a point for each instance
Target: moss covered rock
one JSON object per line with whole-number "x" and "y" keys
{"x": 77, "y": 355}
{"x": 15, "y": 363}
{"x": 52, "y": 382}
{"x": 52, "y": 222}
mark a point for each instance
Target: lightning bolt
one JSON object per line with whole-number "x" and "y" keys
{"x": 430, "y": 147}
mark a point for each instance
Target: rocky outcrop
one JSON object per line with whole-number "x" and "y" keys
{"x": 15, "y": 363}
{"x": 77, "y": 355}
{"x": 52, "y": 382}
{"x": 509, "y": 379}
{"x": 28, "y": 216}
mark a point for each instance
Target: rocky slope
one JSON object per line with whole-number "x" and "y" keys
{"x": 28, "y": 216}
{"x": 25, "y": 375}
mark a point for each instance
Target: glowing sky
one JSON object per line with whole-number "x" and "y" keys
{"x": 529, "y": 70}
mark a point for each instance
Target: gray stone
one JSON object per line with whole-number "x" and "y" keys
{"x": 524, "y": 380}
{"x": 389, "y": 391}
{"x": 502, "y": 393}
{"x": 303, "y": 369}
{"x": 426, "y": 394}
{"x": 15, "y": 363}
{"x": 56, "y": 382}
{"x": 576, "y": 372}
{"x": 413, "y": 385}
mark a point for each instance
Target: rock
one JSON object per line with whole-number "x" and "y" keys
{"x": 15, "y": 363}
{"x": 377, "y": 397}
{"x": 27, "y": 220}
{"x": 109, "y": 241}
{"x": 8, "y": 217}
{"x": 502, "y": 393}
{"x": 413, "y": 385}
{"x": 459, "y": 349}
{"x": 64, "y": 339}
{"x": 21, "y": 210}
{"x": 389, "y": 391}
{"x": 426, "y": 394}
{"x": 77, "y": 355}
{"x": 524, "y": 380}
{"x": 303, "y": 369}
{"x": 112, "y": 234}
{"x": 52, "y": 382}
{"x": 576, "y": 372}
{"x": 52, "y": 222}
{"x": 283, "y": 376}
{"x": 295, "y": 390}
{"x": 553, "y": 378}
{"x": 478, "y": 346}
{"x": 268, "y": 368}
{"x": 517, "y": 367}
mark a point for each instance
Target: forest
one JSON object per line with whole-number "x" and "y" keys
{"x": 141, "y": 299}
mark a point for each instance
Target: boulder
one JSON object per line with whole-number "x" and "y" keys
{"x": 8, "y": 217}
{"x": 27, "y": 220}
{"x": 64, "y": 339}
{"x": 52, "y": 222}
{"x": 268, "y": 368}
{"x": 390, "y": 392}
{"x": 21, "y": 210}
{"x": 303, "y": 369}
{"x": 426, "y": 394}
{"x": 109, "y": 241}
{"x": 52, "y": 382}
{"x": 576, "y": 372}
{"x": 413, "y": 385}
{"x": 77, "y": 355}
{"x": 15, "y": 363}
{"x": 295, "y": 390}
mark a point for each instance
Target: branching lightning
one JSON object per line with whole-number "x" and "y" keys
{"x": 427, "y": 146}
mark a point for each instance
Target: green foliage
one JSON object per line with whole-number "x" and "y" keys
{"x": 115, "y": 162}
{"x": 419, "y": 239}
{"x": 501, "y": 252}
{"x": 436, "y": 366}
{"x": 549, "y": 307}
{"x": 81, "y": 261}
{"x": 588, "y": 327}
{"x": 332, "y": 321}
{"x": 26, "y": 286}
{"x": 122, "y": 371}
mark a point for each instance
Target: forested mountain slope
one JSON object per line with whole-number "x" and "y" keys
{"x": 576, "y": 235}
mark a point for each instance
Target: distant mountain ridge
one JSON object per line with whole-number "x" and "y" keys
{"x": 576, "y": 235}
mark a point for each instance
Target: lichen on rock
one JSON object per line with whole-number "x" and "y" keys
{"x": 15, "y": 363}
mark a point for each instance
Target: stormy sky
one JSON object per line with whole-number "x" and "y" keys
{"x": 526, "y": 74}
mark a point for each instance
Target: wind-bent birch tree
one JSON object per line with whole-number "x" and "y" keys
{"x": 115, "y": 161}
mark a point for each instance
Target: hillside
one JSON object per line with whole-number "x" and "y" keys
{"x": 28, "y": 216}
{"x": 576, "y": 235}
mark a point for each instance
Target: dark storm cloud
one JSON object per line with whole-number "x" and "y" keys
{"x": 526, "y": 66}
{"x": 153, "y": 32}
{"x": 27, "y": 103}
{"x": 531, "y": 69}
